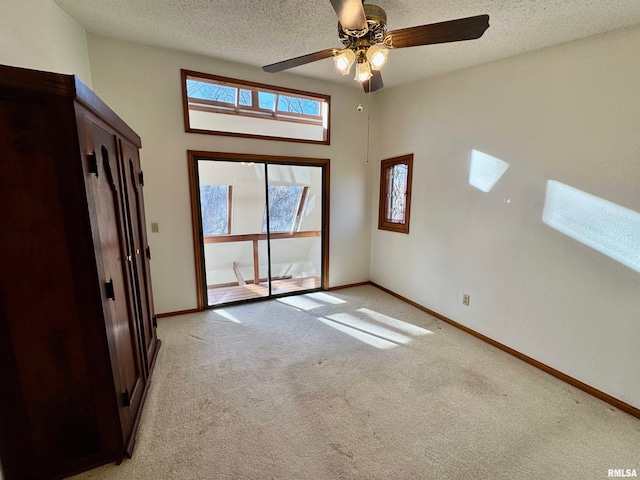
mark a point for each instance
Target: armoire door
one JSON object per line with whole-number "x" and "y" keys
{"x": 133, "y": 183}
{"x": 117, "y": 292}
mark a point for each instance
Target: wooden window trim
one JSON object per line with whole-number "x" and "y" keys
{"x": 297, "y": 221}
{"x": 246, "y": 110}
{"x": 383, "y": 224}
{"x": 229, "y": 208}
{"x": 265, "y": 114}
{"x": 228, "y": 107}
{"x": 246, "y": 237}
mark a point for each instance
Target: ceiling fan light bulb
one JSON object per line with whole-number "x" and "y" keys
{"x": 344, "y": 60}
{"x": 363, "y": 71}
{"x": 377, "y": 56}
{"x": 378, "y": 60}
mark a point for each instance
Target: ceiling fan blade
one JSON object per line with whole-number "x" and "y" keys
{"x": 302, "y": 60}
{"x": 468, "y": 28}
{"x": 374, "y": 83}
{"x": 350, "y": 14}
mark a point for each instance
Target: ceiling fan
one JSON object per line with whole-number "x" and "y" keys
{"x": 362, "y": 28}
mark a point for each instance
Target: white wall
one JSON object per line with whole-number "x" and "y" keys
{"x": 142, "y": 85}
{"x": 568, "y": 113}
{"x": 38, "y": 34}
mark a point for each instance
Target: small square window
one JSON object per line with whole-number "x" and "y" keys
{"x": 246, "y": 98}
{"x": 395, "y": 194}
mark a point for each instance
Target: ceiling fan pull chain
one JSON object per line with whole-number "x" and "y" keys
{"x": 368, "y": 118}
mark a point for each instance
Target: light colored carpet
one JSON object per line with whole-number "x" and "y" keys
{"x": 273, "y": 390}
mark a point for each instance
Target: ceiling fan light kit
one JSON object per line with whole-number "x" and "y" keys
{"x": 377, "y": 56}
{"x": 362, "y": 29}
{"x": 363, "y": 70}
{"x": 344, "y": 60}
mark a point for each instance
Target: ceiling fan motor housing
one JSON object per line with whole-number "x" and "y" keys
{"x": 377, "y": 28}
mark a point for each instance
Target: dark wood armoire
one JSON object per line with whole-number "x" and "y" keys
{"x": 77, "y": 328}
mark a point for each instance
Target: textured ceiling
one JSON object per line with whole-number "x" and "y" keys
{"x": 260, "y": 32}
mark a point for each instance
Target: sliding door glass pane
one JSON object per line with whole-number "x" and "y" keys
{"x": 295, "y": 221}
{"x": 232, "y": 198}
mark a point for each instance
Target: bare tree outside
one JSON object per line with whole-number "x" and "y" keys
{"x": 283, "y": 206}
{"x": 218, "y": 93}
{"x": 397, "y": 200}
{"x": 298, "y": 105}
{"x": 214, "y": 201}
{"x": 227, "y": 94}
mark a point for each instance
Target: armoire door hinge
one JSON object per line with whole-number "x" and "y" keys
{"x": 109, "y": 290}
{"x": 93, "y": 162}
{"x": 126, "y": 398}
{"x": 154, "y": 319}
{"x": 148, "y": 252}
{"x": 141, "y": 177}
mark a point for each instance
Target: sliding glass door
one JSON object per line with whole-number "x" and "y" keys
{"x": 259, "y": 225}
{"x": 295, "y": 227}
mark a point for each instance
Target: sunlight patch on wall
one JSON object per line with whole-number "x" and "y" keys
{"x": 485, "y": 170}
{"x": 600, "y": 224}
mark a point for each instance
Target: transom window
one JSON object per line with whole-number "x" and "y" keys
{"x": 395, "y": 193}
{"x": 302, "y": 116}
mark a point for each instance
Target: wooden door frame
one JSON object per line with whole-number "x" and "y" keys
{"x": 193, "y": 156}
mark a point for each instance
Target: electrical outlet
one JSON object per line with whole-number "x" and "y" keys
{"x": 155, "y": 228}
{"x": 465, "y": 299}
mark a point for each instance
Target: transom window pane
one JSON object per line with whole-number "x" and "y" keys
{"x": 298, "y": 105}
{"x": 245, "y": 98}
{"x": 266, "y": 100}
{"x": 209, "y": 91}
{"x": 214, "y": 201}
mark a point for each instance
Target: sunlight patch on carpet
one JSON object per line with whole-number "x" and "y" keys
{"x": 357, "y": 334}
{"x": 325, "y": 297}
{"x": 300, "y": 302}
{"x": 363, "y": 325}
{"x": 223, "y": 313}
{"x": 405, "y": 327}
